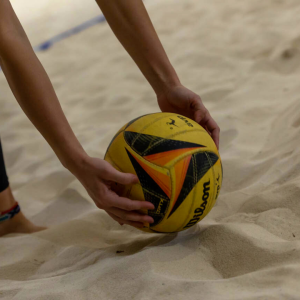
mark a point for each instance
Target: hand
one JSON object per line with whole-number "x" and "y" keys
{"x": 98, "y": 177}
{"x": 182, "y": 101}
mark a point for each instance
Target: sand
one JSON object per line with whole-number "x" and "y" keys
{"x": 243, "y": 58}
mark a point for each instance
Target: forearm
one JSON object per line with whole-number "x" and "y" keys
{"x": 131, "y": 24}
{"x": 35, "y": 94}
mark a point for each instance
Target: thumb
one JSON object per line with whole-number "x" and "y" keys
{"x": 123, "y": 178}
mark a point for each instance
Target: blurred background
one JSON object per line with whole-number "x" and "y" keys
{"x": 243, "y": 59}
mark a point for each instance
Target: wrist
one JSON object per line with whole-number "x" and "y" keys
{"x": 75, "y": 160}
{"x": 166, "y": 86}
{"x": 165, "y": 81}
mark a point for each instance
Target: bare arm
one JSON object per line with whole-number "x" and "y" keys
{"x": 32, "y": 88}
{"x": 35, "y": 94}
{"x": 131, "y": 24}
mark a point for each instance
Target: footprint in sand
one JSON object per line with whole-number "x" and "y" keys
{"x": 286, "y": 59}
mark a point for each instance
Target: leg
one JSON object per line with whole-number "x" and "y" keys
{"x": 15, "y": 221}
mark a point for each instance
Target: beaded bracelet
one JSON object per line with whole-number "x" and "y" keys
{"x": 10, "y": 213}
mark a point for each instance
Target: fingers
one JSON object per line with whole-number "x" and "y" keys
{"x": 216, "y": 137}
{"x": 125, "y": 211}
{"x": 129, "y": 205}
{"x": 134, "y": 216}
{"x": 112, "y": 174}
{"x": 203, "y": 117}
{"x": 121, "y": 222}
{"x": 98, "y": 180}
{"x": 214, "y": 130}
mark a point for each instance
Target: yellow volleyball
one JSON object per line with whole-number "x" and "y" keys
{"x": 178, "y": 166}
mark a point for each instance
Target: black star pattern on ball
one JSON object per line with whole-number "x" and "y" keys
{"x": 156, "y": 185}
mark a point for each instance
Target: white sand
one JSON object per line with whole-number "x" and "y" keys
{"x": 243, "y": 58}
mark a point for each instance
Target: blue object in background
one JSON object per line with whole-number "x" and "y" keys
{"x": 49, "y": 43}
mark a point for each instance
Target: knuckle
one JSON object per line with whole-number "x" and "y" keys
{"x": 203, "y": 114}
{"x": 200, "y": 100}
{"x": 217, "y": 128}
{"x": 105, "y": 194}
{"x": 196, "y": 97}
{"x": 129, "y": 206}
{"x": 105, "y": 171}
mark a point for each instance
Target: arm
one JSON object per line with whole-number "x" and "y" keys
{"x": 131, "y": 24}
{"x": 32, "y": 88}
{"x": 35, "y": 94}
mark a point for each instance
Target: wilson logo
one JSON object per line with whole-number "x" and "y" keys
{"x": 159, "y": 206}
{"x": 200, "y": 210}
{"x": 218, "y": 187}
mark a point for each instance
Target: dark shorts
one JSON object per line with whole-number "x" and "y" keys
{"x": 3, "y": 176}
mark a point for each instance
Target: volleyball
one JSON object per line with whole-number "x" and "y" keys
{"x": 178, "y": 166}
